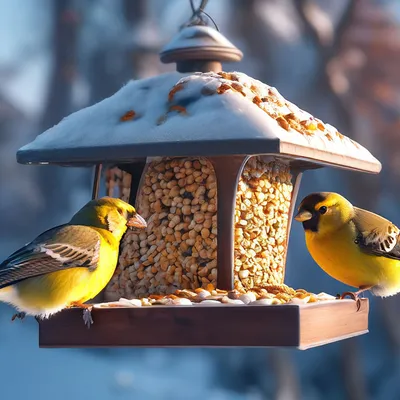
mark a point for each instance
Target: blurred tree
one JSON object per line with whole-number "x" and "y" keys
{"x": 368, "y": 66}
{"x": 108, "y": 62}
{"x": 64, "y": 42}
{"x": 135, "y": 13}
{"x": 250, "y": 26}
{"x": 326, "y": 37}
{"x": 53, "y": 180}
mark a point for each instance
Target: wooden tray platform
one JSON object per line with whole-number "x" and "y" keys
{"x": 225, "y": 325}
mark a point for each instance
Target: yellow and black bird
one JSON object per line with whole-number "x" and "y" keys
{"x": 354, "y": 246}
{"x": 69, "y": 264}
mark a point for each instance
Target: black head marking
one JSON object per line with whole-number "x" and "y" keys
{"x": 311, "y": 200}
{"x": 312, "y": 224}
{"x": 308, "y": 204}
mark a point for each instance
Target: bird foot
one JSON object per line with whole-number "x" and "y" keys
{"x": 19, "y": 315}
{"x": 352, "y": 295}
{"x": 87, "y": 317}
{"x": 87, "y": 312}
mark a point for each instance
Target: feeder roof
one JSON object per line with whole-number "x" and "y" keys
{"x": 194, "y": 42}
{"x": 195, "y": 114}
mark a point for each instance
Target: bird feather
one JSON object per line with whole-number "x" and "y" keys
{"x": 59, "y": 248}
{"x": 376, "y": 235}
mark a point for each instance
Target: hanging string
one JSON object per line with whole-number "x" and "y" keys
{"x": 198, "y": 14}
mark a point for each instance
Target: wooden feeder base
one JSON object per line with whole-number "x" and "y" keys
{"x": 298, "y": 326}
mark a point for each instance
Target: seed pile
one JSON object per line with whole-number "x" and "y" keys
{"x": 271, "y": 295}
{"x": 178, "y": 249}
{"x": 261, "y": 219}
{"x": 118, "y": 183}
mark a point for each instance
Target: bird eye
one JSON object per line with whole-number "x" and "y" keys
{"x": 322, "y": 210}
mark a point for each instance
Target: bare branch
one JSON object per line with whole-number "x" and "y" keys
{"x": 251, "y": 27}
{"x": 320, "y": 27}
{"x": 316, "y": 22}
{"x": 345, "y": 21}
{"x": 326, "y": 40}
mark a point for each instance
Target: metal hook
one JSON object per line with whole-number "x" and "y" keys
{"x": 197, "y": 17}
{"x": 200, "y": 9}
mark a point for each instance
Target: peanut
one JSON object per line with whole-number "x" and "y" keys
{"x": 178, "y": 197}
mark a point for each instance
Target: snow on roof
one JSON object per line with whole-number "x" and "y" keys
{"x": 194, "y": 114}
{"x": 192, "y": 38}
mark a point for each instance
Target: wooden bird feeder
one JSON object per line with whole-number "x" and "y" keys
{"x": 213, "y": 161}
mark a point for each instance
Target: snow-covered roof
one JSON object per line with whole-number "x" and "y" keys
{"x": 194, "y": 115}
{"x": 192, "y": 39}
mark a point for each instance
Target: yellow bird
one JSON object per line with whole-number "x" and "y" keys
{"x": 69, "y": 264}
{"x": 354, "y": 246}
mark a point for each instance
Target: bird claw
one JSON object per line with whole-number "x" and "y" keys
{"x": 353, "y": 296}
{"x": 87, "y": 316}
{"x": 350, "y": 294}
{"x": 87, "y": 312}
{"x": 19, "y": 315}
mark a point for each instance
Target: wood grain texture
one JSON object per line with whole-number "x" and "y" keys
{"x": 332, "y": 321}
{"x": 208, "y": 326}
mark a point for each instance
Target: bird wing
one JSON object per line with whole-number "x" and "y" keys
{"x": 376, "y": 235}
{"x": 62, "y": 247}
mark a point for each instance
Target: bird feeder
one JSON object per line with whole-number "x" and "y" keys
{"x": 213, "y": 160}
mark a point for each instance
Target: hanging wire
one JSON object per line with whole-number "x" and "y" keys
{"x": 202, "y": 6}
{"x": 198, "y": 14}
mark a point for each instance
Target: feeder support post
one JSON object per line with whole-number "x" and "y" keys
{"x": 96, "y": 181}
{"x": 227, "y": 172}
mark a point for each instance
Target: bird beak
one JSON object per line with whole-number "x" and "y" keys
{"x": 303, "y": 216}
{"x": 136, "y": 221}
